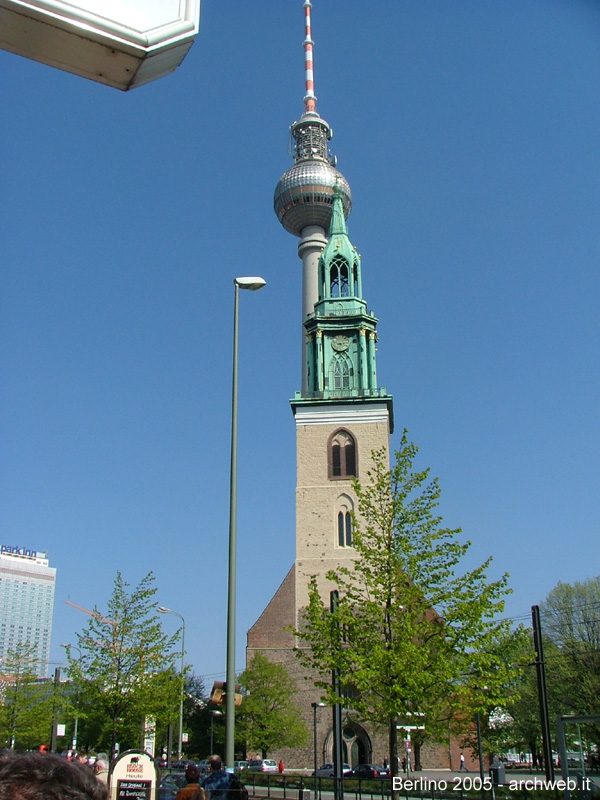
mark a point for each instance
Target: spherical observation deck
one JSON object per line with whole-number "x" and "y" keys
{"x": 304, "y": 195}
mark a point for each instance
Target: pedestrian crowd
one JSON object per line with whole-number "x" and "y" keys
{"x": 217, "y": 785}
{"x": 45, "y": 776}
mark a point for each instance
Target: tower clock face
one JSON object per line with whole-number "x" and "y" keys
{"x": 340, "y": 343}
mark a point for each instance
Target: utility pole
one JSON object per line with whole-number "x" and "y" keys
{"x": 54, "y": 710}
{"x": 338, "y": 771}
{"x": 540, "y": 669}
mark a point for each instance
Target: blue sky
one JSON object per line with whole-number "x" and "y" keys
{"x": 468, "y": 130}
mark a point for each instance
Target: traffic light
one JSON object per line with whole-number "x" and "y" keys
{"x": 218, "y": 696}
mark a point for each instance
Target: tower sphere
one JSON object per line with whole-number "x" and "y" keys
{"x": 304, "y": 195}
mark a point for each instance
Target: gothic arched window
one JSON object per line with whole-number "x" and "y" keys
{"x": 341, "y": 374}
{"x": 338, "y": 277}
{"x": 344, "y": 529}
{"x": 342, "y": 456}
{"x": 343, "y": 507}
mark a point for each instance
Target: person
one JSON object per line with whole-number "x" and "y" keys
{"x": 280, "y": 766}
{"x": 101, "y": 769}
{"x": 463, "y": 766}
{"x": 32, "y": 776}
{"x": 81, "y": 758}
{"x": 218, "y": 782}
{"x": 192, "y": 787}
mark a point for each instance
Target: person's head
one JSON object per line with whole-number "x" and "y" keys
{"x": 101, "y": 765}
{"x": 81, "y": 758}
{"x": 215, "y": 763}
{"x": 43, "y": 776}
{"x": 192, "y": 774}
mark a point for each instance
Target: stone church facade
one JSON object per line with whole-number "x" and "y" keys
{"x": 341, "y": 415}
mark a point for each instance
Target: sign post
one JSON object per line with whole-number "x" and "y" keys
{"x": 133, "y": 776}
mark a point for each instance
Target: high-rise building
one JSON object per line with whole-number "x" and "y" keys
{"x": 26, "y": 604}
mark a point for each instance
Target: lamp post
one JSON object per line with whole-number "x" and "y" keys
{"x": 69, "y": 647}
{"x": 253, "y": 284}
{"x": 213, "y": 714}
{"x": 314, "y": 708}
{"x": 164, "y": 610}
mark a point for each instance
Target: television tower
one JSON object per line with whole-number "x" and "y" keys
{"x": 303, "y": 198}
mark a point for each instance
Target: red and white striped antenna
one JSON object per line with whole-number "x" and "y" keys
{"x": 310, "y": 100}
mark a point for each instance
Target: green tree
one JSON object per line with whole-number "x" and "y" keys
{"x": 411, "y": 637}
{"x": 571, "y": 621}
{"x": 268, "y": 716}
{"x": 126, "y": 669}
{"x": 27, "y": 703}
{"x": 570, "y": 618}
{"x": 195, "y": 716}
{"x": 515, "y": 724}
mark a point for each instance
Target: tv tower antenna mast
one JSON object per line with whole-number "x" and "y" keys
{"x": 310, "y": 101}
{"x": 303, "y": 198}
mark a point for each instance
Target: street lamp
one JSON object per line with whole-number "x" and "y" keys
{"x": 68, "y": 648}
{"x": 213, "y": 714}
{"x": 253, "y": 284}
{"x": 314, "y": 708}
{"x": 164, "y": 610}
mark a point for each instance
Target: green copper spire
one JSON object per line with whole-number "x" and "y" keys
{"x": 341, "y": 332}
{"x": 339, "y": 265}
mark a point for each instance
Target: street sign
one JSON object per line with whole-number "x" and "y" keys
{"x": 149, "y": 735}
{"x": 122, "y": 43}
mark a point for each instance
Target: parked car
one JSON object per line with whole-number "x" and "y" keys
{"x": 238, "y": 766}
{"x": 369, "y": 771}
{"x": 327, "y": 771}
{"x": 181, "y": 766}
{"x": 262, "y": 765}
{"x": 203, "y": 766}
{"x": 169, "y": 785}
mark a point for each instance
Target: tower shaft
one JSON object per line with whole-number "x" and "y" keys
{"x": 309, "y": 249}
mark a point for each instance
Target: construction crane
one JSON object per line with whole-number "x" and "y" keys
{"x": 94, "y": 614}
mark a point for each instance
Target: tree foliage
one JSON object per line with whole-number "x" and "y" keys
{"x": 412, "y": 637}
{"x": 571, "y": 621}
{"x": 515, "y": 724}
{"x": 27, "y": 703}
{"x": 126, "y": 667}
{"x": 268, "y": 716}
{"x": 197, "y": 720}
{"x": 570, "y": 618}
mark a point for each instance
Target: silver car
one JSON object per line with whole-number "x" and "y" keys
{"x": 327, "y": 771}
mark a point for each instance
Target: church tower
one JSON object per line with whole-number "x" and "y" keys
{"x": 340, "y": 412}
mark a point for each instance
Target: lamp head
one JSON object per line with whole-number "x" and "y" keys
{"x": 163, "y": 610}
{"x": 253, "y": 283}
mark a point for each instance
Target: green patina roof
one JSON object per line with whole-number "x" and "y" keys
{"x": 339, "y": 243}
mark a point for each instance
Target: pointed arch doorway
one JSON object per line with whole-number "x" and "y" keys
{"x": 356, "y": 744}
